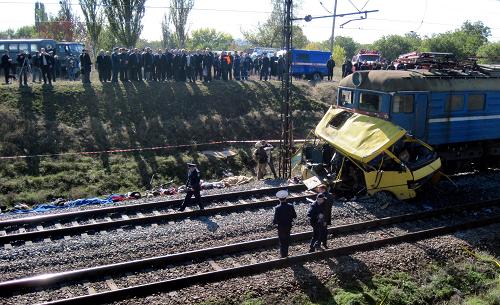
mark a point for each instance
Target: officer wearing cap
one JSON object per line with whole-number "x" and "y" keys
{"x": 193, "y": 187}
{"x": 316, "y": 216}
{"x": 327, "y": 208}
{"x": 284, "y": 214}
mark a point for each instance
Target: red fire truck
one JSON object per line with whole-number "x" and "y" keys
{"x": 366, "y": 60}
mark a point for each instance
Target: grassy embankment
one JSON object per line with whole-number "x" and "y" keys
{"x": 467, "y": 281}
{"x": 72, "y": 118}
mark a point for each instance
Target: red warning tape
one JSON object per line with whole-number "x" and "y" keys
{"x": 137, "y": 149}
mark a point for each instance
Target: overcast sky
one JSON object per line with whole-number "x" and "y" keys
{"x": 394, "y": 17}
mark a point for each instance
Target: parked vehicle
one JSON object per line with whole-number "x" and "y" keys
{"x": 369, "y": 154}
{"x": 309, "y": 64}
{"x": 63, "y": 50}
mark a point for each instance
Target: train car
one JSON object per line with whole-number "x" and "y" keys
{"x": 458, "y": 113}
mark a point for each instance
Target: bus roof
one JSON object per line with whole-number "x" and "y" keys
{"x": 357, "y": 136}
{"x": 418, "y": 80}
{"x": 25, "y": 40}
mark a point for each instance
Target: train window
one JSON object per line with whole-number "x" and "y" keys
{"x": 475, "y": 102}
{"x": 34, "y": 47}
{"x": 23, "y": 47}
{"x": 345, "y": 97}
{"x": 370, "y": 102}
{"x": 2, "y": 47}
{"x": 454, "y": 103}
{"x": 13, "y": 47}
{"x": 402, "y": 103}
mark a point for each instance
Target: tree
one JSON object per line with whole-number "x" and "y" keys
{"x": 27, "y": 31}
{"x": 316, "y": 45}
{"x": 463, "y": 42}
{"x": 347, "y": 43}
{"x": 489, "y": 53}
{"x": 125, "y": 19}
{"x": 166, "y": 34}
{"x": 65, "y": 26}
{"x": 107, "y": 40}
{"x": 40, "y": 15}
{"x": 93, "y": 21}
{"x": 391, "y": 46}
{"x": 270, "y": 33}
{"x": 210, "y": 38}
{"x": 179, "y": 12}
{"x": 339, "y": 54}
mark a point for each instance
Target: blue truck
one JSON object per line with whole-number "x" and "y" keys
{"x": 309, "y": 64}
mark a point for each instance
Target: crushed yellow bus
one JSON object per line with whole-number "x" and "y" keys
{"x": 367, "y": 153}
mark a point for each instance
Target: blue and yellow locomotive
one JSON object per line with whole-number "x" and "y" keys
{"x": 458, "y": 113}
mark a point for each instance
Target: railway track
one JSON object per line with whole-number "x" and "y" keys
{"x": 234, "y": 260}
{"x": 44, "y": 227}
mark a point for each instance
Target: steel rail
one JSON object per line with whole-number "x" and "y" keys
{"x": 251, "y": 269}
{"x": 45, "y": 280}
{"x": 104, "y": 225}
{"x": 142, "y": 206}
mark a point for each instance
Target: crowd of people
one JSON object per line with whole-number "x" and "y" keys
{"x": 181, "y": 65}
{"x": 41, "y": 65}
{"x": 146, "y": 65}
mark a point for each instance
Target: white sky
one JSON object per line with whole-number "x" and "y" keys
{"x": 394, "y": 16}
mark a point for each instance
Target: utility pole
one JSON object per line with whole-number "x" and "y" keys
{"x": 285, "y": 165}
{"x": 285, "y": 168}
{"x": 333, "y": 27}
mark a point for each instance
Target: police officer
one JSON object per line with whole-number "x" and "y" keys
{"x": 284, "y": 214}
{"x": 316, "y": 216}
{"x": 6, "y": 62}
{"x": 330, "y": 64}
{"x": 85, "y": 66}
{"x": 193, "y": 187}
{"x": 327, "y": 208}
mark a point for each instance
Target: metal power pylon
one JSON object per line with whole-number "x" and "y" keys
{"x": 285, "y": 167}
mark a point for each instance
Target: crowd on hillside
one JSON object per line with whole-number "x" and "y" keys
{"x": 182, "y": 65}
{"x": 143, "y": 64}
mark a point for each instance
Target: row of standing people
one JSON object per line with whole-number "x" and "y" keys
{"x": 41, "y": 65}
{"x": 181, "y": 65}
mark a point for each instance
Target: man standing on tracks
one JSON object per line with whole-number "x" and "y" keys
{"x": 316, "y": 216}
{"x": 284, "y": 214}
{"x": 327, "y": 208}
{"x": 193, "y": 187}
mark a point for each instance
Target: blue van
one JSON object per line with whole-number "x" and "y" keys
{"x": 310, "y": 64}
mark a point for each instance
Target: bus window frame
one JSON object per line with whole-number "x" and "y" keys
{"x": 13, "y": 50}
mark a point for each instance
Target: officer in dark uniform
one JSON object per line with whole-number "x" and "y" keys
{"x": 327, "y": 209}
{"x": 330, "y": 64}
{"x": 316, "y": 216}
{"x": 85, "y": 66}
{"x": 193, "y": 187}
{"x": 284, "y": 214}
{"x": 6, "y": 62}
